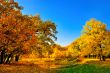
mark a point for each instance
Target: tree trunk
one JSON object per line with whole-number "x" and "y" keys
{"x": 100, "y": 53}
{"x": 8, "y": 58}
{"x": 2, "y": 56}
{"x": 100, "y": 57}
{"x": 16, "y": 58}
{"x": 89, "y": 55}
{"x": 103, "y": 58}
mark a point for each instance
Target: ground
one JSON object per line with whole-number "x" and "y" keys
{"x": 86, "y": 66}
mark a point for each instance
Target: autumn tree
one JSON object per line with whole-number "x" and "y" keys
{"x": 95, "y": 33}
{"x": 19, "y": 34}
{"x": 7, "y": 33}
{"x": 16, "y": 32}
{"x": 94, "y": 40}
{"x": 74, "y": 48}
{"x": 45, "y": 32}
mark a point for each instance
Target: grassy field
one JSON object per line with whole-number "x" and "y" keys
{"x": 87, "y": 67}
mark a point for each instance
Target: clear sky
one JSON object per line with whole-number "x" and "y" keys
{"x": 69, "y": 15}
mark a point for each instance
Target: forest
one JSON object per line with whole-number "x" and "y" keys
{"x": 28, "y": 43}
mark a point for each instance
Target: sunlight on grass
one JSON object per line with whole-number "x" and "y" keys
{"x": 84, "y": 68}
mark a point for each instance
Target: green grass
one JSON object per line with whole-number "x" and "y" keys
{"x": 84, "y": 68}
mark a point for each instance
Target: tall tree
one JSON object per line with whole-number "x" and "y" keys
{"x": 96, "y": 33}
{"x": 45, "y": 31}
{"x": 20, "y": 33}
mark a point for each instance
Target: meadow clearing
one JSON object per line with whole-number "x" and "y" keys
{"x": 39, "y": 66}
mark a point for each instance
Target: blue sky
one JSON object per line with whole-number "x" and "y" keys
{"x": 69, "y": 15}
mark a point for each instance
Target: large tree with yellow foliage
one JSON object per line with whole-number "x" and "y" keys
{"x": 95, "y": 39}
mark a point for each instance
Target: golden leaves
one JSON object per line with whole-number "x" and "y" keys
{"x": 94, "y": 35}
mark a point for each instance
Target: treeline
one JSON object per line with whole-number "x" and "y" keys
{"x": 94, "y": 42}
{"x": 21, "y": 34}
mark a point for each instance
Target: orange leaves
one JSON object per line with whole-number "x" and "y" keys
{"x": 10, "y": 21}
{"x": 22, "y": 33}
